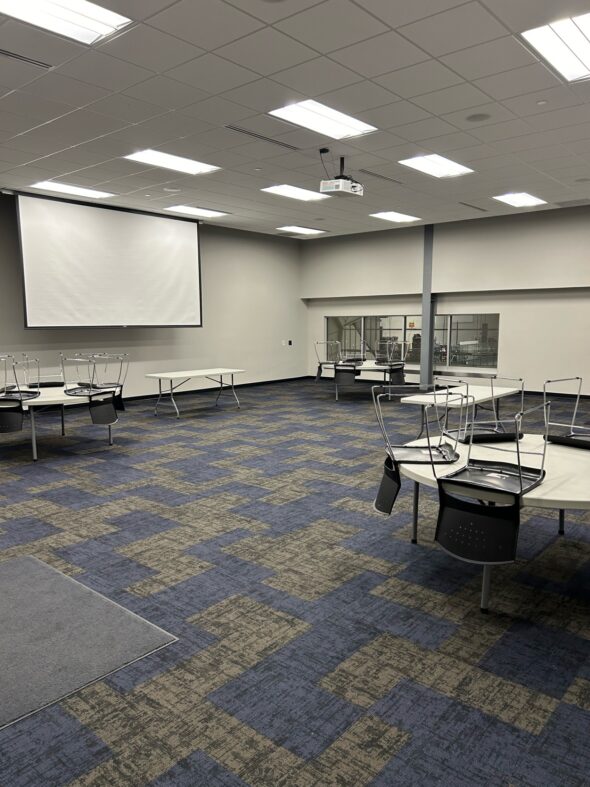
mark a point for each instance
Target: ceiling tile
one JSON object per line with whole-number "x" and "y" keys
{"x": 317, "y": 76}
{"x": 136, "y": 9}
{"x": 397, "y": 14}
{"x": 32, "y": 42}
{"x": 518, "y": 81}
{"x": 424, "y": 129}
{"x": 126, "y": 108}
{"x": 497, "y": 114}
{"x": 421, "y": 78}
{"x": 208, "y": 23}
{"x": 266, "y": 51}
{"x": 497, "y": 131}
{"x": 212, "y": 74}
{"x": 218, "y": 111}
{"x": 331, "y": 25}
{"x": 455, "y": 29}
{"x": 380, "y": 55}
{"x": 542, "y": 101}
{"x": 103, "y": 70}
{"x": 492, "y": 57}
{"x": 65, "y": 89}
{"x": 378, "y": 140}
{"x": 33, "y": 107}
{"x": 263, "y": 95}
{"x": 559, "y": 118}
{"x": 458, "y": 140}
{"x": 272, "y": 11}
{"x": 396, "y": 114}
{"x": 451, "y": 98}
{"x": 153, "y": 49}
{"x": 166, "y": 92}
{"x": 358, "y": 97}
{"x": 11, "y": 124}
{"x": 15, "y": 73}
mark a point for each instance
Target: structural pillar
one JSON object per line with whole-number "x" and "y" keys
{"x": 428, "y": 308}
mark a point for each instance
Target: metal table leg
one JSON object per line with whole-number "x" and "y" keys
{"x": 159, "y": 396}
{"x": 63, "y": 421}
{"x": 485, "y": 588}
{"x": 233, "y": 390}
{"x": 415, "y": 513}
{"x": 33, "y": 433}
{"x": 172, "y": 399}
{"x": 110, "y": 435}
{"x": 561, "y": 522}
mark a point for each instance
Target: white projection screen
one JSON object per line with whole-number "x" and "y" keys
{"x": 91, "y": 266}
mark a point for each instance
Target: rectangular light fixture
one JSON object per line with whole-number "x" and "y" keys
{"x": 78, "y": 19}
{"x": 64, "y": 188}
{"x": 565, "y": 45}
{"x": 300, "y": 230}
{"x": 318, "y": 117}
{"x": 203, "y": 213}
{"x": 294, "y": 192}
{"x": 435, "y": 165}
{"x": 167, "y": 161}
{"x": 391, "y": 215}
{"x": 520, "y": 199}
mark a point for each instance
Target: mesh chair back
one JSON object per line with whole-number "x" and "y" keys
{"x": 389, "y": 487}
{"x": 474, "y": 527}
{"x": 11, "y": 416}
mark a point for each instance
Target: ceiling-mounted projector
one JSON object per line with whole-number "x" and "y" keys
{"x": 341, "y": 184}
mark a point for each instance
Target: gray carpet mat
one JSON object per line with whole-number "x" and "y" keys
{"x": 57, "y": 636}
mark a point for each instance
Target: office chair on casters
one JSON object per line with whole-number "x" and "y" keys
{"x": 439, "y": 450}
{"x": 479, "y": 505}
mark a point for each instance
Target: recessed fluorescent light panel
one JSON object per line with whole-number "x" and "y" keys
{"x": 565, "y": 45}
{"x": 64, "y": 188}
{"x": 520, "y": 199}
{"x": 78, "y": 19}
{"x": 301, "y": 230}
{"x": 391, "y": 215}
{"x": 158, "y": 159}
{"x": 294, "y": 192}
{"x": 435, "y": 165}
{"x": 318, "y": 117}
{"x": 202, "y": 213}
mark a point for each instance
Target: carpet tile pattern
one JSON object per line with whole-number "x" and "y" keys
{"x": 317, "y": 646}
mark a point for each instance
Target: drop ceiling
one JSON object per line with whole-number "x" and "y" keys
{"x": 196, "y": 79}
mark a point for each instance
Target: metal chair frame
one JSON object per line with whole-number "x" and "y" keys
{"x": 575, "y": 435}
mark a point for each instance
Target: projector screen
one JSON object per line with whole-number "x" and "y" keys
{"x": 91, "y": 266}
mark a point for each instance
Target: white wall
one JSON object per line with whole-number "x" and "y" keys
{"x": 550, "y": 249}
{"x": 250, "y": 286}
{"x": 376, "y": 263}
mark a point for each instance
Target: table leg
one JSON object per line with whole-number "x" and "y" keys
{"x": 159, "y": 396}
{"x": 415, "y": 513}
{"x": 220, "y": 389}
{"x": 423, "y": 409}
{"x": 33, "y": 433}
{"x": 172, "y": 399}
{"x": 561, "y": 522}
{"x": 233, "y": 390}
{"x": 110, "y": 435}
{"x": 63, "y": 421}
{"x": 485, "y": 588}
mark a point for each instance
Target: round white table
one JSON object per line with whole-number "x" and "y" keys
{"x": 566, "y": 484}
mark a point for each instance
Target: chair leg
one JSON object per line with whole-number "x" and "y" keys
{"x": 485, "y": 588}
{"x": 415, "y": 512}
{"x": 561, "y": 522}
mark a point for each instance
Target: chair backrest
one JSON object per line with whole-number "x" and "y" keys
{"x": 388, "y": 488}
{"x": 11, "y": 416}
{"x": 477, "y": 525}
{"x": 102, "y": 410}
{"x": 572, "y": 390}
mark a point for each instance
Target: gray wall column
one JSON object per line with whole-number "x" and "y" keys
{"x": 428, "y": 306}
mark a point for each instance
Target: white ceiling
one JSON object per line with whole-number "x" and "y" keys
{"x": 184, "y": 70}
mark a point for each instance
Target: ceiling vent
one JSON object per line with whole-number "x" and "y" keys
{"x": 381, "y": 177}
{"x": 474, "y": 207}
{"x": 23, "y": 59}
{"x": 261, "y": 137}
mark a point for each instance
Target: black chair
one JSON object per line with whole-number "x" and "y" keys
{"x": 102, "y": 409}
{"x": 344, "y": 375}
{"x": 388, "y": 488}
{"x": 11, "y": 415}
{"x": 478, "y": 525}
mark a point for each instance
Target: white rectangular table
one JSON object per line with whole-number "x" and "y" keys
{"x": 176, "y": 379}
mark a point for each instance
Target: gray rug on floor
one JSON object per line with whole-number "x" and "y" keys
{"x": 57, "y": 636}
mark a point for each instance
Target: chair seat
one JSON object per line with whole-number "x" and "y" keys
{"x": 498, "y": 476}
{"x": 573, "y": 440}
{"x": 421, "y": 455}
